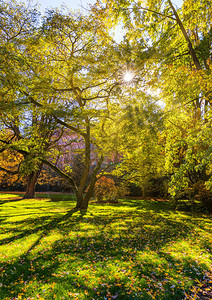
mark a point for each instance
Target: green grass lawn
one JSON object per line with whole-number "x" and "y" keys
{"x": 137, "y": 250}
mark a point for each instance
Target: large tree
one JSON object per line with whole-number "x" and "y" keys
{"x": 67, "y": 71}
{"x": 17, "y": 24}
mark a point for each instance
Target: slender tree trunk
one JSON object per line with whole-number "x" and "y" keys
{"x": 143, "y": 192}
{"x": 190, "y": 46}
{"x": 196, "y": 62}
{"x": 31, "y": 182}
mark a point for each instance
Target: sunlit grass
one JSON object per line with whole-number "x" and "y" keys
{"x": 6, "y": 196}
{"x": 137, "y": 250}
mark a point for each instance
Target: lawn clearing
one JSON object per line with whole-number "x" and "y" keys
{"x": 137, "y": 250}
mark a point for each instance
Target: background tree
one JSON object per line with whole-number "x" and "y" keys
{"x": 177, "y": 62}
{"x": 140, "y": 127}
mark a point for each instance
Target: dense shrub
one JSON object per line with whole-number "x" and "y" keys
{"x": 106, "y": 190}
{"x": 195, "y": 198}
{"x": 203, "y": 195}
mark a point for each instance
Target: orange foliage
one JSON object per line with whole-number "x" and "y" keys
{"x": 9, "y": 160}
{"x": 105, "y": 189}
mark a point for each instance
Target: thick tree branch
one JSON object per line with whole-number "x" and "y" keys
{"x": 60, "y": 172}
{"x": 153, "y": 11}
{"x": 13, "y": 147}
{"x": 52, "y": 166}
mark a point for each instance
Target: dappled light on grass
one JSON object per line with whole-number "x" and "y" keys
{"x": 5, "y": 196}
{"x": 140, "y": 250}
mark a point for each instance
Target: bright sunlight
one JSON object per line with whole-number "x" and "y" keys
{"x": 128, "y": 76}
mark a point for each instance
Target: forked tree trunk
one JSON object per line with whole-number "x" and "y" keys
{"x": 79, "y": 200}
{"x": 31, "y": 183}
{"x": 83, "y": 200}
{"x": 82, "y": 203}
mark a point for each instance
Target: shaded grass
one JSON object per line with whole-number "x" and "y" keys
{"x": 136, "y": 249}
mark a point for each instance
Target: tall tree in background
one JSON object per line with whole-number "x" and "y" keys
{"x": 84, "y": 76}
{"x": 17, "y": 25}
{"x": 139, "y": 127}
{"x": 177, "y": 61}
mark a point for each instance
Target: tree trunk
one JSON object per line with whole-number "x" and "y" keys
{"x": 31, "y": 182}
{"x": 90, "y": 189}
{"x": 30, "y": 188}
{"x": 190, "y": 46}
{"x": 143, "y": 192}
{"x": 79, "y": 199}
{"x": 82, "y": 202}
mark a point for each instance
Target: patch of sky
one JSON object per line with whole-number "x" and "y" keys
{"x": 82, "y": 5}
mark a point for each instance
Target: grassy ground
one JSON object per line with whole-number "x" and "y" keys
{"x": 137, "y": 250}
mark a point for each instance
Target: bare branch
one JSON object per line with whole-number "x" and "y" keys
{"x": 67, "y": 89}
{"x": 153, "y": 11}
{"x": 60, "y": 172}
{"x": 111, "y": 165}
{"x": 103, "y": 90}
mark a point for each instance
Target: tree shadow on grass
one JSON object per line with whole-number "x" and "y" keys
{"x": 2, "y": 201}
{"x": 108, "y": 249}
{"x": 105, "y": 255}
{"x": 12, "y": 269}
{"x": 37, "y": 226}
{"x": 57, "y": 197}
{"x": 26, "y": 270}
{"x": 150, "y": 204}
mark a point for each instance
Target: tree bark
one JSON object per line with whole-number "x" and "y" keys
{"x": 31, "y": 183}
{"x": 83, "y": 200}
{"x": 82, "y": 203}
